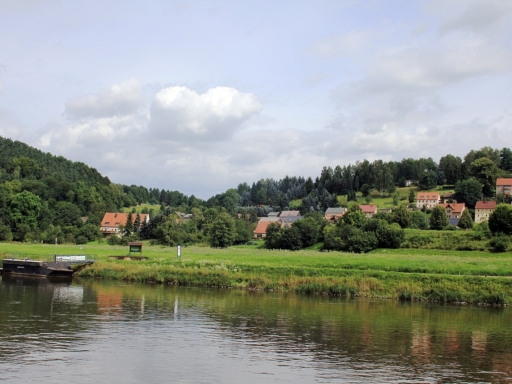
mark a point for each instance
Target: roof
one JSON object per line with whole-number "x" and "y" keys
{"x": 270, "y": 214}
{"x": 271, "y": 219}
{"x": 335, "y": 211}
{"x": 136, "y": 243}
{"x": 448, "y": 195}
{"x": 428, "y": 196}
{"x": 262, "y": 227}
{"x": 485, "y": 205}
{"x": 368, "y": 208}
{"x": 290, "y": 219}
{"x": 114, "y": 219}
{"x": 503, "y": 181}
{"x": 456, "y": 207}
{"x": 289, "y": 213}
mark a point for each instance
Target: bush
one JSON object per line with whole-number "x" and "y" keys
{"x": 499, "y": 243}
{"x": 5, "y": 233}
{"x": 418, "y": 242}
{"x": 362, "y": 242}
{"x": 81, "y": 240}
{"x": 113, "y": 240}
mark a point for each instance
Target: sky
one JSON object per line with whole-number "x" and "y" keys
{"x": 199, "y": 96}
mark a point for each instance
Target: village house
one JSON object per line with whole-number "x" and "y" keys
{"x": 112, "y": 220}
{"x": 261, "y": 229}
{"x": 454, "y": 210}
{"x": 429, "y": 199}
{"x": 285, "y": 218}
{"x": 368, "y": 210}
{"x": 334, "y": 213}
{"x": 504, "y": 186}
{"x": 483, "y": 210}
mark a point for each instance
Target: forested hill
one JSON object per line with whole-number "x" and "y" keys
{"x": 23, "y": 161}
{"x": 40, "y": 192}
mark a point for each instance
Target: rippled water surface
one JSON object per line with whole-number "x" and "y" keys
{"x": 92, "y": 331}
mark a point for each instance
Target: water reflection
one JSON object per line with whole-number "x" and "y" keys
{"x": 92, "y": 330}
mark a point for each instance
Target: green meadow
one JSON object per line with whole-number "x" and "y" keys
{"x": 407, "y": 273}
{"x": 381, "y": 201}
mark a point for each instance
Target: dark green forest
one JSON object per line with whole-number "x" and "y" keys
{"x": 44, "y": 197}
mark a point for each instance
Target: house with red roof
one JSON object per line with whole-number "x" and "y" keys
{"x": 504, "y": 186}
{"x": 454, "y": 210}
{"x": 112, "y": 220}
{"x": 429, "y": 199}
{"x": 483, "y": 210}
{"x": 368, "y": 210}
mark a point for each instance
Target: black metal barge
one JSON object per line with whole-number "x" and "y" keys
{"x": 49, "y": 266}
{"x": 36, "y": 268}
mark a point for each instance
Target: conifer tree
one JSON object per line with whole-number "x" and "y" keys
{"x": 466, "y": 221}
{"x": 438, "y": 219}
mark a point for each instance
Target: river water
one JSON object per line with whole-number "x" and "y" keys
{"x": 90, "y": 331}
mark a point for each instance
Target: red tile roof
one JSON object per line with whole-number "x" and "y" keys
{"x": 485, "y": 205}
{"x": 428, "y": 196}
{"x": 456, "y": 207}
{"x": 113, "y": 219}
{"x": 261, "y": 229}
{"x": 503, "y": 182}
{"x": 368, "y": 208}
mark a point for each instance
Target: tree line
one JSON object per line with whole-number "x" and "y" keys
{"x": 43, "y": 197}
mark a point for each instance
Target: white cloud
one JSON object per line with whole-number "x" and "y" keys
{"x": 93, "y": 133}
{"x": 180, "y": 114}
{"x": 119, "y": 99}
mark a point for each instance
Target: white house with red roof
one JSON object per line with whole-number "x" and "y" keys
{"x": 112, "y": 220}
{"x": 429, "y": 199}
{"x": 483, "y": 210}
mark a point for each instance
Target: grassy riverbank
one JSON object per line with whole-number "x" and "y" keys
{"x": 438, "y": 275}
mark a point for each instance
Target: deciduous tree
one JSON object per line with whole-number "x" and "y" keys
{"x": 222, "y": 231}
{"x": 500, "y": 221}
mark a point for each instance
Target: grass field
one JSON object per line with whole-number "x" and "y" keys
{"x": 404, "y": 273}
{"x": 139, "y": 208}
{"x": 378, "y": 200}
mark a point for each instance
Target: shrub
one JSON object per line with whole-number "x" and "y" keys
{"x": 500, "y": 243}
{"x": 81, "y": 240}
{"x": 362, "y": 242}
{"x": 5, "y": 233}
{"x": 113, "y": 240}
{"x": 418, "y": 242}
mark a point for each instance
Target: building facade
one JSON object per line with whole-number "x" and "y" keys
{"x": 483, "y": 210}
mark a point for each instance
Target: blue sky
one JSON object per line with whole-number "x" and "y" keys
{"x": 200, "y": 96}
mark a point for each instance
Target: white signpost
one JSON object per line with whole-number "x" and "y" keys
{"x": 179, "y": 252}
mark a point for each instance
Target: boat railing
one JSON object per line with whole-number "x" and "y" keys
{"x": 67, "y": 258}
{"x": 75, "y": 258}
{"x": 25, "y": 256}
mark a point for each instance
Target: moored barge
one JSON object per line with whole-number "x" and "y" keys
{"x": 49, "y": 266}
{"x": 29, "y": 267}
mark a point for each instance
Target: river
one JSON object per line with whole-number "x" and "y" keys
{"x": 90, "y": 331}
